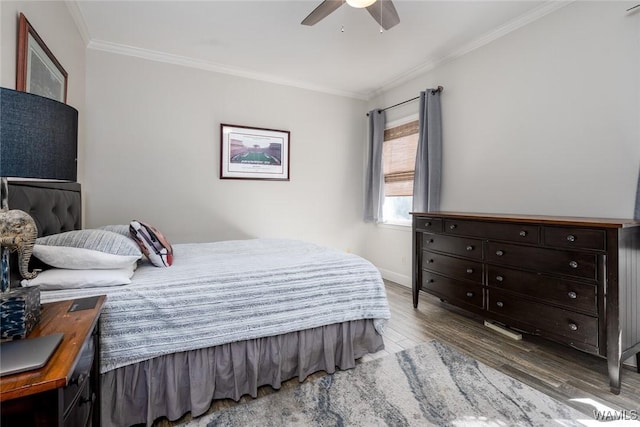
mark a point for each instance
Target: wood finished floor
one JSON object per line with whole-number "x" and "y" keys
{"x": 563, "y": 373}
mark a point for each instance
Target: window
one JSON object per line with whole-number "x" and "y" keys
{"x": 399, "y": 159}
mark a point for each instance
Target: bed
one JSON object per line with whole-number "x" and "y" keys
{"x": 224, "y": 319}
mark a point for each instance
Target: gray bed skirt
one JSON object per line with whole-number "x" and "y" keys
{"x": 170, "y": 386}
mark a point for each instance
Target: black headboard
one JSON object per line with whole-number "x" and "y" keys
{"x": 55, "y": 206}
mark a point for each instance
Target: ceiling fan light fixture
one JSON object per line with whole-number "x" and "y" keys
{"x": 360, "y": 3}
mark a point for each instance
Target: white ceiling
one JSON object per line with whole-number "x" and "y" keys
{"x": 264, "y": 39}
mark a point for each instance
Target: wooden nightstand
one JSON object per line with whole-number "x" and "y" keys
{"x": 66, "y": 391}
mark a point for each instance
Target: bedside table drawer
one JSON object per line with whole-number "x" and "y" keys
{"x": 79, "y": 414}
{"x": 80, "y": 375}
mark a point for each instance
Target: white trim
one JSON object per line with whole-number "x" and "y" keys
{"x": 395, "y": 226}
{"x": 154, "y": 55}
{"x": 78, "y": 19}
{"x": 398, "y": 278}
{"x": 521, "y": 21}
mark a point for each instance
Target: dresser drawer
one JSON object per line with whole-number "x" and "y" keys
{"x": 469, "y": 248}
{"x": 575, "y": 264}
{"x": 563, "y": 292}
{"x": 578, "y": 238}
{"x": 494, "y": 231}
{"x": 428, "y": 224}
{"x": 577, "y": 329}
{"x": 457, "y": 268}
{"x": 454, "y": 291}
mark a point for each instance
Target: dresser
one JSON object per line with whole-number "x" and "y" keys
{"x": 66, "y": 391}
{"x": 575, "y": 281}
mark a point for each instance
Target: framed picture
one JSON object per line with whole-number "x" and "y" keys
{"x": 38, "y": 71}
{"x": 254, "y": 153}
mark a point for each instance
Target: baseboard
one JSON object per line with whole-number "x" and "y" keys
{"x": 631, "y": 363}
{"x": 398, "y": 278}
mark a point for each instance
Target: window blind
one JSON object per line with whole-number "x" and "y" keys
{"x": 399, "y": 159}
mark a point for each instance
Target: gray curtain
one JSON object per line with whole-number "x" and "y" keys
{"x": 426, "y": 185}
{"x": 374, "y": 180}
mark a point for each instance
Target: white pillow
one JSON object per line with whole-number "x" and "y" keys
{"x": 87, "y": 249}
{"x": 58, "y": 278}
{"x": 81, "y": 259}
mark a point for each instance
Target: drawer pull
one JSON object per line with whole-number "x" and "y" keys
{"x": 573, "y": 326}
{"x": 523, "y": 233}
{"x": 429, "y": 261}
{"x": 452, "y": 227}
{"x": 573, "y": 264}
{"x": 470, "y": 294}
{"x": 469, "y": 270}
{"x": 571, "y": 238}
{"x": 499, "y": 278}
{"x": 572, "y": 295}
{"x": 500, "y": 304}
{"x": 84, "y": 400}
{"x": 469, "y": 248}
{"x": 427, "y": 224}
{"x": 499, "y": 253}
{"x": 429, "y": 241}
{"x": 77, "y": 380}
{"x": 430, "y": 281}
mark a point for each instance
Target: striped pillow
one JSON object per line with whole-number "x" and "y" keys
{"x": 87, "y": 249}
{"x": 117, "y": 228}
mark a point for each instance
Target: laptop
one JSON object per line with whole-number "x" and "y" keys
{"x": 27, "y": 354}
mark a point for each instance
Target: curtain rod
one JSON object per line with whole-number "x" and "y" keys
{"x": 438, "y": 89}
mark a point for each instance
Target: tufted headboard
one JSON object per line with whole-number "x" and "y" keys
{"x": 55, "y": 206}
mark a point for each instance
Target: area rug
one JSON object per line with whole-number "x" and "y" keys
{"x": 428, "y": 385}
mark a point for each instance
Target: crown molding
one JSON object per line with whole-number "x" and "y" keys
{"x": 509, "y": 27}
{"x": 158, "y": 56}
{"x": 154, "y": 55}
{"x": 78, "y": 19}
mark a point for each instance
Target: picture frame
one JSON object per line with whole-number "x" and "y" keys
{"x": 254, "y": 153}
{"x": 38, "y": 71}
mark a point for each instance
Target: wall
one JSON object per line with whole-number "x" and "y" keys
{"x": 545, "y": 120}
{"x": 154, "y": 153}
{"x": 53, "y": 23}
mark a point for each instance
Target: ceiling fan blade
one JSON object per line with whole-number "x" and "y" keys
{"x": 322, "y": 11}
{"x": 385, "y": 13}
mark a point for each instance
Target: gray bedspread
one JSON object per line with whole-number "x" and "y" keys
{"x": 230, "y": 291}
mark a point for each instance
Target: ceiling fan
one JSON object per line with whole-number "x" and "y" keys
{"x": 383, "y": 11}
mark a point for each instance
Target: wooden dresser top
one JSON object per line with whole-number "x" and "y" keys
{"x": 537, "y": 219}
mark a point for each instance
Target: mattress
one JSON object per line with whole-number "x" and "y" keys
{"x": 224, "y": 292}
